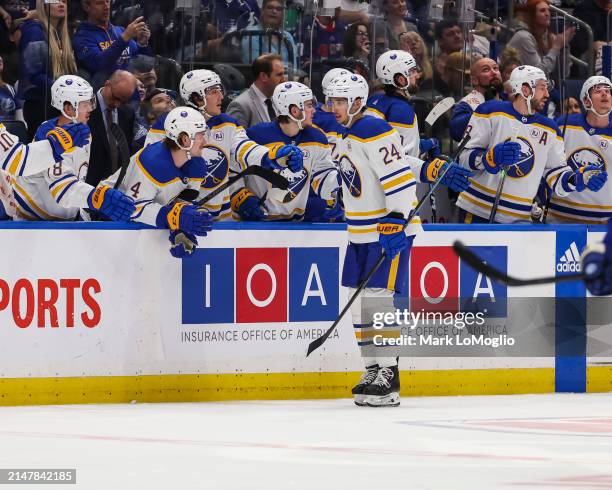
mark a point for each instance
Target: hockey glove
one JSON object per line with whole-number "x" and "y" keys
{"x": 185, "y": 217}
{"x": 597, "y": 269}
{"x": 431, "y": 146}
{"x": 457, "y": 178}
{"x": 67, "y": 137}
{"x": 183, "y": 244}
{"x": 590, "y": 177}
{"x": 391, "y": 234}
{"x": 246, "y": 204}
{"x": 111, "y": 203}
{"x": 284, "y": 155}
{"x": 502, "y": 155}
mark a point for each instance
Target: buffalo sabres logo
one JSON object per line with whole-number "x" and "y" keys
{"x": 350, "y": 176}
{"x": 526, "y": 161}
{"x": 217, "y": 166}
{"x": 586, "y": 156}
{"x": 297, "y": 181}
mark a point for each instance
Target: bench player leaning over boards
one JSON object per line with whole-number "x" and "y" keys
{"x": 294, "y": 106}
{"x": 60, "y": 192}
{"x": 512, "y": 136}
{"x": 158, "y": 173}
{"x": 378, "y": 189}
{"x": 588, "y": 141}
{"x": 228, "y": 149}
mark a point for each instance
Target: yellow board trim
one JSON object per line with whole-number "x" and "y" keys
{"x": 264, "y": 386}
{"x": 599, "y": 379}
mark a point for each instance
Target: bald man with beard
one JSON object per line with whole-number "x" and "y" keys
{"x": 487, "y": 82}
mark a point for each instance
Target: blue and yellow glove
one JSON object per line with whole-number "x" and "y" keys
{"x": 246, "y": 204}
{"x": 457, "y": 178}
{"x": 391, "y": 234}
{"x": 183, "y": 244}
{"x": 590, "y": 177}
{"x": 64, "y": 138}
{"x": 281, "y": 156}
{"x": 186, "y": 217}
{"x": 430, "y": 146}
{"x": 502, "y": 155}
{"x": 111, "y": 203}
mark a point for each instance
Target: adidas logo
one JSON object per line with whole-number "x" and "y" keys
{"x": 570, "y": 261}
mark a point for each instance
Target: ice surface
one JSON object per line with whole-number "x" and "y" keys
{"x": 480, "y": 442}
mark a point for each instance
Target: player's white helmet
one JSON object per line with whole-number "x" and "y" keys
{"x": 71, "y": 89}
{"x": 585, "y": 92}
{"x": 525, "y": 74}
{"x": 198, "y": 81}
{"x": 184, "y": 120}
{"x": 330, "y": 75}
{"x": 351, "y": 87}
{"x": 288, "y": 94}
{"x": 393, "y": 63}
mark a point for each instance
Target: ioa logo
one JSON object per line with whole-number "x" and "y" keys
{"x": 260, "y": 285}
{"x": 440, "y": 281}
{"x": 570, "y": 260}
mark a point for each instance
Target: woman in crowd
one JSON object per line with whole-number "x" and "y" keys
{"x": 357, "y": 42}
{"x": 413, "y": 43}
{"x": 45, "y": 54}
{"x": 535, "y": 44}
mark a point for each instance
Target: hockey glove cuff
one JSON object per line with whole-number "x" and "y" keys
{"x": 113, "y": 204}
{"x": 391, "y": 234}
{"x": 246, "y": 204}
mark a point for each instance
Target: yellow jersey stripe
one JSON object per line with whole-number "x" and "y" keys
{"x": 504, "y": 195}
{"x": 12, "y": 169}
{"x": 373, "y": 138}
{"x": 488, "y": 207}
{"x": 354, "y": 214}
{"x": 579, "y": 204}
{"x": 400, "y": 180}
{"x": 26, "y": 197}
{"x": 61, "y": 187}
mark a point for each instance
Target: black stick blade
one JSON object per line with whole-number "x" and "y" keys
{"x": 479, "y": 265}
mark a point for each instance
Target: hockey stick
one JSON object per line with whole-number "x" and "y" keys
{"x": 479, "y": 265}
{"x": 124, "y": 152}
{"x": 268, "y": 175}
{"x": 500, "y": 186}
{"x": 315, "y": 344}
{"x": 436, "y": 112}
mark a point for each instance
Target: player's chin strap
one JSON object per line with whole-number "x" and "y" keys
{"x": 72, "y": 118}
{"x": 200, "y": 109}
{"x": 352, "y": 115}
{"x": 592, "y": 108}
{"x": 528, "y": 101}
{"x": 299, "y": 121}
{"x": 186, "y": 149}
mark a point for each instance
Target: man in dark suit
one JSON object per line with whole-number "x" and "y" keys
{"x": 112, "y": 108}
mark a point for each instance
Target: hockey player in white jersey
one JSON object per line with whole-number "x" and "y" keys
{"x": 324, "y": 118}
{"x": 528, "y": 146}
{"x": 588, "y": 141}
{"x": 158, "y": 173}
{"x": 60, "y": 192}
{"x": 294, "y": 106}
{"x": 379, "y": 193}
{"x": 228, "y": 149}
{"x": 397, "y": 70}
{"x": 18, "y": 159}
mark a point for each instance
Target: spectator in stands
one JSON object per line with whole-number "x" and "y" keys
{"x": 456, "y": 74}
{"x": 450, "y": 39}
{"x": 143, "y": 68}
{"x": 328, "y": 36}
{"x": 41, "y": 63}
{"x": 8, "y": 101}
{"x": 486, "y": 85}
{"x": 415, "y": 45}
{"x": 394, "y": 22}
{"x": 231, "y": 15}
{"x": 113, "y": 107}
{"x": 271, "y": 18}
{"x": 571, "y": 106}
{"x": 158, "y": 102}
{"x": 535, "y": 44}
{"x": 254, "y": 104}
{"x": 101, "y": 48}
{"x": 357, "y": 43}
{"x": 595, "y": 13}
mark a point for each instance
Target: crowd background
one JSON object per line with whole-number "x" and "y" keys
{"x": 157, "y": 42}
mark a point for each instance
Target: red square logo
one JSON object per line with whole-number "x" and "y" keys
{"x": 434, "y": 279}
{"x": 261, "y": 285}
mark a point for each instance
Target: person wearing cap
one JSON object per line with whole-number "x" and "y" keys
{"x": 535, "y": 44}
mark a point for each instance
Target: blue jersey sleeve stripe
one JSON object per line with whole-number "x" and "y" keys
{"x": 393, "y": 174}
{"x": 10, "y": 155}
